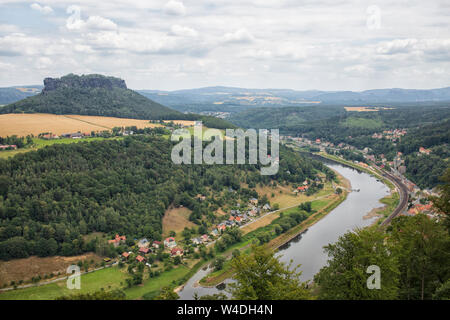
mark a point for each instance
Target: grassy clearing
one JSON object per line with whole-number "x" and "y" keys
{"x": 354, "y": 122}
{"x": 41, "y": 143}
{"x": 108, "y": 279}
{"x": 390, "y": 203}
{"x": 153, "y": 285}
{"x": 176, "y": 219}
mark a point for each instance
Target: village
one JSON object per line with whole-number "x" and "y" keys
{"x": 147, "y": 251}
{"x": 417, "y": 198}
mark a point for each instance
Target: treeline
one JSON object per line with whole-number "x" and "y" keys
{"x": 20, "y": 142}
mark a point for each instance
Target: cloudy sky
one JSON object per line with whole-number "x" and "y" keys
{"x": 171, "y": 44}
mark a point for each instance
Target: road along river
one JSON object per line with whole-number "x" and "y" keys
{"x": 307, "y": 248}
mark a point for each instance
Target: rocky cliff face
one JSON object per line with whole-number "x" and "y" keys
{"x": 85, "y": 81}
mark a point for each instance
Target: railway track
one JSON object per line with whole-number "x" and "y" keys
{"x": 403, "y": 192}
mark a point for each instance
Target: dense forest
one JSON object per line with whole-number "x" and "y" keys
{"x": 52, "y": 197}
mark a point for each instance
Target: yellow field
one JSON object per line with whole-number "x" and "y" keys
{"x": 25, "y": 124}
{"x": 182, "y": 122}
{"x": 366, "y": 109}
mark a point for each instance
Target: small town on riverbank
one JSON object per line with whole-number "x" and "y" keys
{"x": 417, "y": 198}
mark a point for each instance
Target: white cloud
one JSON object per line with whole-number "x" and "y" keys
{"x": 97, "y": 22}
{"x": 397, "y": 46}
{"x": 41, "y": 9}
{"x": 9, "y": 28}
{"x": 182, "y": 31}
{"x": 18, "y": 44}
{"x": 239, "y": 36}
{"x": 359, "y": 71}
{"x": 175, "y": 8}
{"x": 75, "y": 22}
{"x": 320, "y": 44}
{"x": 43, "y": 63}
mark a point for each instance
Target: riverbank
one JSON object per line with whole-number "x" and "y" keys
{"x": 370, "y": 170}
{"x": 391, "y": 202}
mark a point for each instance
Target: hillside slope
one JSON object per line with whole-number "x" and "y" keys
{"x": 91, "y": 95}
{"x": 13, "y": 94}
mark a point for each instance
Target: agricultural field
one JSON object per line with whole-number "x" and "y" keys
{"x": 24, "y": 269}
{"x": 176, "y": 219}
{"x": 22, "y": 124}
{"x": 40, "y": 143}
{"x": 366, "y": 109}
{"x": 354, "y": 122}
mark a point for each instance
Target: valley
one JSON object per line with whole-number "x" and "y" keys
{"x": 95, "y": 186}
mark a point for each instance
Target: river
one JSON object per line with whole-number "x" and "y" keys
{"x": 307, "y": 248}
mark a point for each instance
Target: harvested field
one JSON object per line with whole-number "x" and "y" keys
{"x": 366, "y": 109}
{"x": 182, "y": 122}
{"x": 22, "y": 124}
{"x": 176, "y": 219}
{"x": 25, "y": 269}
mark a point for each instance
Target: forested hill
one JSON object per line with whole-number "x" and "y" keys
{"x": 52, "y": 197}
{"x": 426, "y": 126}
{"x": 91, "y": 95}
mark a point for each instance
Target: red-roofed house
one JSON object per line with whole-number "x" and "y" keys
{"x": 117, "y": 240}
{"x": 140, "y": 258}
{"x": 424, "y": 151}
{"x": 144, "y": 250}
{"x": 176, "y": 252}
{"x": 12, "y": 146}
{"x": 126, "y": 255}
{"x": 302, "y": 188}
{"x": 170, "y": 242}
{"x": 156, "y": 244}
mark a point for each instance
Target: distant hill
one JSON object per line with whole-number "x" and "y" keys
{"x": 232, "y": 99}
{"x": 91, "y": 95}
{"x": 13, "y": 94}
